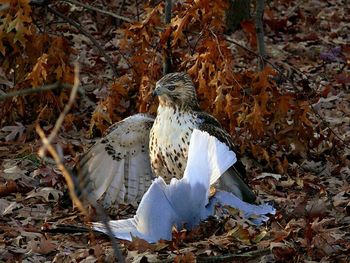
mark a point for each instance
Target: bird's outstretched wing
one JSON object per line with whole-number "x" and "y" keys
{"x": 117, "y": 167}
{"x": 233, "y": 179}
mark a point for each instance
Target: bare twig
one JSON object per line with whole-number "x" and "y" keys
{"x": 231, "y": 257}
{"x": 137, "y": 11}
{"x": 47, "y": 143}
{"x": 63, "y": 113}
{"x": 167, "y": 52}
{"x": 260, "y": 4}
{"x": 89, "y": 7}
{"x": 87, "y": 34}
{"x": 217, "y": 42}
{"x": 120, "y": 11}
{"x": 241, "y": 46}
{"x": 67, "y": 175}
{"x": 24, "y": 92}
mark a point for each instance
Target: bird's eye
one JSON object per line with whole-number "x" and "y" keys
{"x": 171, "y": 87}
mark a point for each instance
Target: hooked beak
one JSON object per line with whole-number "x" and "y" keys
{"x": 157, "y": 91}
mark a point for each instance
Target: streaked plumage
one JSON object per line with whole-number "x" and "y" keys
{"x": 118, "y": 166}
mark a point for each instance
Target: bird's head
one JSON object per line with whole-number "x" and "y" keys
{"x": 176, "y": 90}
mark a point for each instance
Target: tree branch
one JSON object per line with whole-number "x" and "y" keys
{"x": 231, "y": 257}
{"x": 89, "y": 7}
{"x": 67, "y": 175}
{"x": 167, "y": 51}
{"x": 260, "y": 4}
{"x": 47, "y": 142}
{"x": 24, "y": 92}
{"x": 87, "y": 34}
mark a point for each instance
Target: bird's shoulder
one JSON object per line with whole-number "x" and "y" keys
{"x": 206, "y": 119}
{"x": 209, "y": 124}
{"x": 134, "y": 123}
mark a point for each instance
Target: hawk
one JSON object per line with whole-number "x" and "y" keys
{"x": 121, "y": 166}
{"x": 178, "y": 114}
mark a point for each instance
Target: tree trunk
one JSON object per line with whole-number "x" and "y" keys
{"x": 238, "y": 11}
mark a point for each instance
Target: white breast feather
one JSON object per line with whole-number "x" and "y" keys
{"x": 169, "y": 129}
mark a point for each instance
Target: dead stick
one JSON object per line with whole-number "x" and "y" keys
{"x": 260, "y": 32}
{"x": 89, "y": 7}
{"x": 231, "y": 257}
{"x": 72, "y": 193}
{"x": 66, "y": 109}
{"x": 24, "y": 92}
{"x": 68, "y": 177}
{"x": 167, "y": 52}
{"x": 47, "y": 142}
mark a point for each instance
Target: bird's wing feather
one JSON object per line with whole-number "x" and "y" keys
{"x": 212, "y": 126}
{"x": 232, "y": 179}
{"x": 118, "y": 166}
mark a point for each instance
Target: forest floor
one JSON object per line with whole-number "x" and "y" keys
{"x": 312, "y": 200}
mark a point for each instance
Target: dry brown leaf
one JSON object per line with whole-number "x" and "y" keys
{"x": 41, "y": 245}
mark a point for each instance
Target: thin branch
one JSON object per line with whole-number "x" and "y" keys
{"x": 168, "y": 7}
{"x": 66, "y": 109}
{"x": 167, "y": 51}
{"x": 87, "y": 34}
{"x": 217, "y": 42}
{"x": 24, "y": 92}
{"x": 137, "y": 11}
{"x": 89, "y": 7}
{"x": 231, "y": 257}
{"x": 260, "y": 32}
{"x": 67, "y": 175}
{"x": 47, "y": 144}
{"x": 241, "y": 46}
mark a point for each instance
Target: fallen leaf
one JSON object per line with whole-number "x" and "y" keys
{"x": 8, "y": 188}
{"x": 41, "y": 245}
{"x": 11, "y": 207}
{"x": 264, "y": 175}
{"x": 140, "y": 245}
{"x": 47, "y": 193}
{"x": 16, "y": 132}
{"x": 3, "y": 205}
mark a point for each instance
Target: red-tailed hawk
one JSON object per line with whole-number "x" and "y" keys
{"x": 177, "y": 115}
{"x": 118, "y": 166}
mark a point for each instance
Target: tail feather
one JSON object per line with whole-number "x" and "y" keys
{"x": 231, "y": 181}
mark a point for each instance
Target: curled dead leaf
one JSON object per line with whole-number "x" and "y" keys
{"x": 41, "y": 246}
{"x": 47, "y": 193}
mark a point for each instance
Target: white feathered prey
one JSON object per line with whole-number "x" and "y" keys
{"x": 185, "y": 202}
